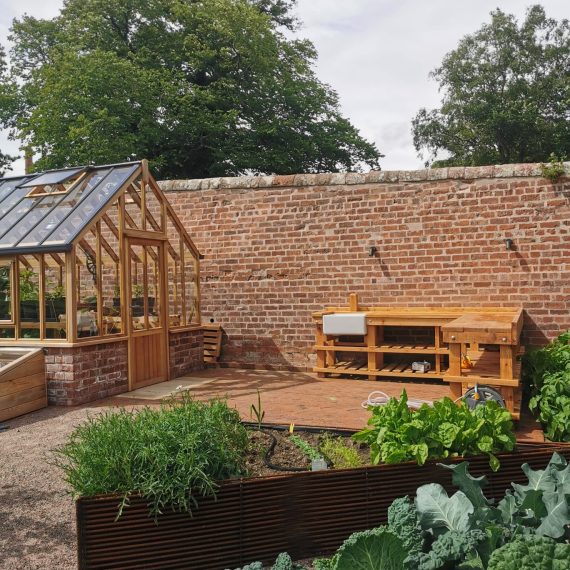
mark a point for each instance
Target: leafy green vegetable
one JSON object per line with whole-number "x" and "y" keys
{"x": 283, "y": 562}
{"x": 403, "y": 522}
{"x": 376, "y": 549}
{"x": 531, "y": 553}
{"x": 548, "y": 371}
{"x": 397, "y": 434}
{"x": 450, "y": 547}
{"x": 437, "y": 511}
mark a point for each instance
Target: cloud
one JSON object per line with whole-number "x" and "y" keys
{"x": 376, "y": 54}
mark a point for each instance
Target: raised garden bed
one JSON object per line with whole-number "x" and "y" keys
{"x": 305, "y": 514}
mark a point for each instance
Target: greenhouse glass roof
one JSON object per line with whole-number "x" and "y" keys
{"x": 46, "y": 211}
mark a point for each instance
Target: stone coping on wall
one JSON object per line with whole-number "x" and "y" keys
{"x": 351, "y": 178}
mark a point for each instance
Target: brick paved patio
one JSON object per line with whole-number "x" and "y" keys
{"x": 301, "y": 398}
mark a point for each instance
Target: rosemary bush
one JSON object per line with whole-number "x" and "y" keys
{"x": 169, "y": 455}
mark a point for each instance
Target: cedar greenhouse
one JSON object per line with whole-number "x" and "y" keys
{"x": 95, "y": 268}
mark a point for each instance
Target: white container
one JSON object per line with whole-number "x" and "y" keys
{"x": 319, "y": 465}
{"x": 421, "y": 366}
{"x": 344, "y": 324}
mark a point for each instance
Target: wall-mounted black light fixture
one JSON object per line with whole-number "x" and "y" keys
{"x": 372, "y": 250}
{"x": 508, "y": 243}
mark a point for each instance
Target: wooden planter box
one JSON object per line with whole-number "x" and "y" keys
{"x": 305, "y": 514}
{"x": 22, "y": 381}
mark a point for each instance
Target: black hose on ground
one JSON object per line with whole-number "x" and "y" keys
{"x": 271, "y": 449}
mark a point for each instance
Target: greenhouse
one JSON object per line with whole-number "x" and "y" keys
{"x": 96, "y": 255}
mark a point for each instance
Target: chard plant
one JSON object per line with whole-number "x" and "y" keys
{"x": 446, "y": 429}
{"x": 548, "y": 371}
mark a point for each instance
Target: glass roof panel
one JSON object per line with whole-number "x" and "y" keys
{"x": 48, "y": 221}
{"x": 24, "y": 217}
{"x": 91, "y": 205}
{"x": 69, "y": 201}
{"x": 56, "y": 177}
{"x": 9, "y": 202}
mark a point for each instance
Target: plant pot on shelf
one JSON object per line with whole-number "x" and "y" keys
{"x": 5, "y": 310}
{"x": 54, "y": 308}
{"x": 30, "y": 311}
{"x": 137, "y": 306}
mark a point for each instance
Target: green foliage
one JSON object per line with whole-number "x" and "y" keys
{"x": 258, "y": 411}
{"x": 376, "y": 549}
{"x": 340, "y": 455}
{"x": 212, "y": 88}
{"x": 466, "y": 531}
{"x": 554, "y": 169}
{"x": 306, "y": 448}
{"x": 29, "y": 287}
{"x": 403, "y": 522}
{"x": 170, "y": 456}
{"x": 398, "y": 434}
{"x": 548, "y": 370}
{"x": 283, "y": 562}
{"x": 324, "y": 563}
{"x": 447, "y": 549}
{"x": 505, "y": 94}
{"x": 531, "y": 553}
{"x": 8, "y": 104}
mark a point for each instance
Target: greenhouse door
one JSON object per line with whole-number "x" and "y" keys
{"x": 148, "y": 348}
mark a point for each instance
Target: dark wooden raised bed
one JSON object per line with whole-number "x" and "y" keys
{"x": 305, "y": 514}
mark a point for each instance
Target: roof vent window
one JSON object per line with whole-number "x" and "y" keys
{"x": 51, "y": 183}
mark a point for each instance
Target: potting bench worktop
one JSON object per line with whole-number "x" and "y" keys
{"x": 464, "y": 346}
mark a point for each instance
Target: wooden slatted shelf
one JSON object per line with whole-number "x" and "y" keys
{"x": 385, "y": 348}
{"x": 393, "y": 369}
{"x": 485, "y": 371}
{"x": 212, "y": 343}
{"x": 453, "y": 332}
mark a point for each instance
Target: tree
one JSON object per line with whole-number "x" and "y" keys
{"x": 506, "y": 94}
{"x": 7, "y": 104}
{"x": 201, "y": 89}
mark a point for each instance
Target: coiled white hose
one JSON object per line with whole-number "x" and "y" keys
{"x": 378, "y": 398}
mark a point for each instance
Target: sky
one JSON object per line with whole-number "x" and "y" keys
{"x": 376, "y": 54}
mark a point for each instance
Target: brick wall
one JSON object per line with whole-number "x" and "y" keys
{"x": 279, "y": 247}
{"x": 186, "y": 352}
{"x": 80, "y": 374}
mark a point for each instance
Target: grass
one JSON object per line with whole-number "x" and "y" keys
{"x": 170, "y": 455}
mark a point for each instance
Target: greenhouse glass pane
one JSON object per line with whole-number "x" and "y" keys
{"x": 24, "y": 217}
{"x": 6, "y": 187}
{"x": 10, "y": 201}
{"x": 69, "y": 201}
{"x": 50, "y": 178}
{"x": 91, "y": 205}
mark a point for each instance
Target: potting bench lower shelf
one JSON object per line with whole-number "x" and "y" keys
{"x": 450, "y": 338}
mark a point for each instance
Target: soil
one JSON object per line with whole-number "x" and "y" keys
{"x": 286, "y": 454}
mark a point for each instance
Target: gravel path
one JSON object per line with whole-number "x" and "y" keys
{"x": 37, "y": 515}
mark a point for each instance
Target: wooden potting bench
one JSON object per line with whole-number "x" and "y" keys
{"x": 485, "y": 338}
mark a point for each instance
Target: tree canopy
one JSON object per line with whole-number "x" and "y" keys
{"x": 506, "y": 95}
{"x": 7, "y": 104}
{"x": 210, "y": 88}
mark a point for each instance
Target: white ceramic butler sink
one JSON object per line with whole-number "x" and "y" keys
{"x": 344, "y": 324}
